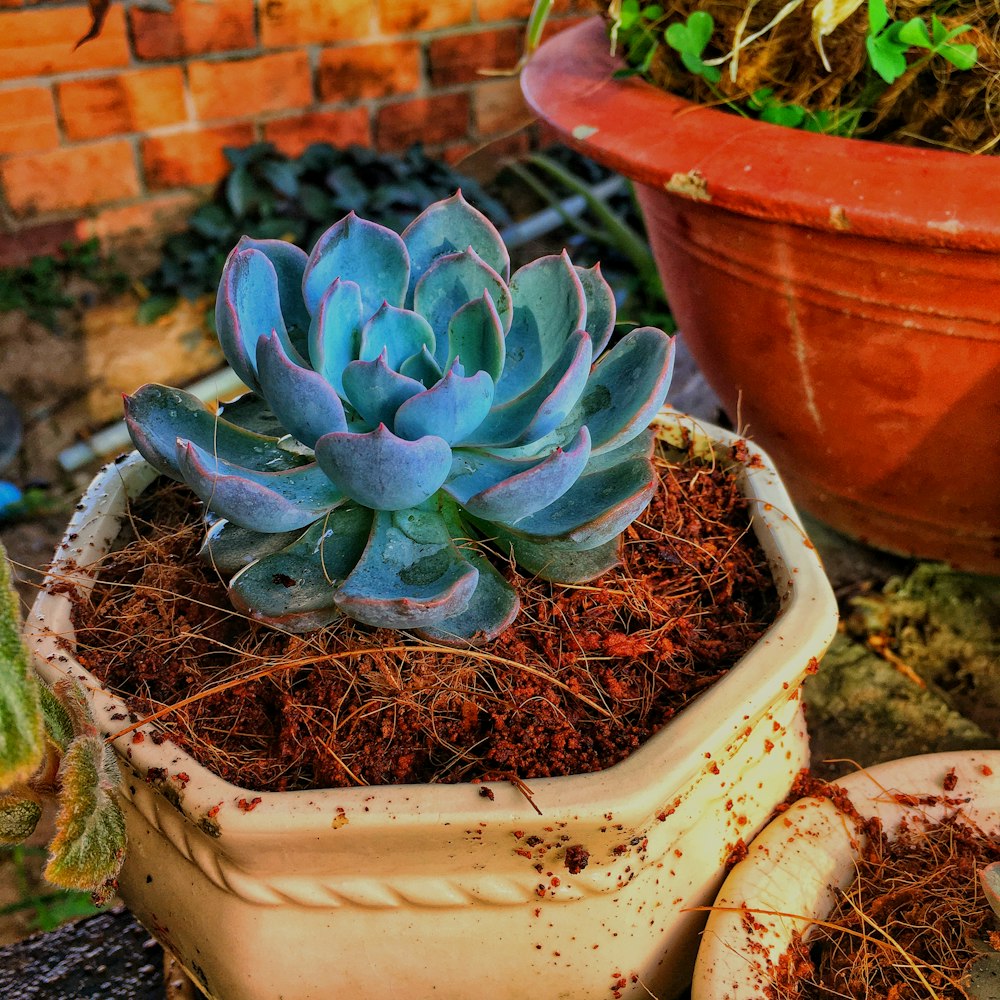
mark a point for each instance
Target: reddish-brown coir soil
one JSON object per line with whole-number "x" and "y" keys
{"x": 583, "y": 677}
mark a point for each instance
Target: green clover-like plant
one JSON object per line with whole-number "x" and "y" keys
{"x": 411, "y": 398}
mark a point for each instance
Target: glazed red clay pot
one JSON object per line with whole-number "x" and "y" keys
{"x": 842, "y": 297}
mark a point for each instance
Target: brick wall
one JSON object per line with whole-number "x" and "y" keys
{"x": 121, "y": 135}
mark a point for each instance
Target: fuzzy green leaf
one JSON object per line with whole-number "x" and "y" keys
{"x": 21, "y": 730}
{"x": 89, "y": 845}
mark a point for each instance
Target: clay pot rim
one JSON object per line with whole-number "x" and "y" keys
{"x": 909, "y": 194}
{"x": 805, "y": 625}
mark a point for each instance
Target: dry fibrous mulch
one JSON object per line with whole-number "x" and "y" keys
{"x": 910, "y": 925}
{"x": 584, "y": 676}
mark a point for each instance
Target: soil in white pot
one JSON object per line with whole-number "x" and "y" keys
{"x": 583, "y": 677}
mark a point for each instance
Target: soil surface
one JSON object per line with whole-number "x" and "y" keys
{"x": 584, "y": 676}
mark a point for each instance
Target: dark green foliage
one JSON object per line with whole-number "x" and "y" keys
{"x": 266, "y": 195}
{"x": 39, "y": 288}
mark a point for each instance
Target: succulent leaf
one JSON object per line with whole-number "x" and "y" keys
{"x": 475, "y": 336}
{"x": 555, "y": 560}
{"x": 383, "y": 471}
{"x": 335, "y": 332}
{"x": 397, "y": 332}
{"x": 260, "y": 501}
{"x": 451, "y": 282}
{"x": 447, "y": 227}
{"x": 59, "y": 728}
{"x": 600, "y": 306}
{"x": 492, "y": 607}
{"x": 363, "y": 252}
{"x": 289, "y": 263}
{"x": 305, "y": 403}
{"x": 157, "y": 416}
{"x": 294, "y": 587}
{"x": 411, "y": 574}
{"x": 596, "y": 508}
{"x": 494, "y": 488}
{"x": 452, "y": 409}
{"x": 545, "y": 405}
{"x": 625, "y": 390}
{"x": 433, "y": 400}
{"x": 422, "y": 367}
{"x": 376, "y": 391}
{"x": 247, "y": 308}
{"x": 549, "y": 305}
{"x": 228, "y": 547}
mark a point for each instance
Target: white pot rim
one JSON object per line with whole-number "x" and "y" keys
{"x": 791, "y": 647}
{"x": 794, "y": 865}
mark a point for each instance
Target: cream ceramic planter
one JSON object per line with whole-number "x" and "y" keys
{"x": 418, "y": 891}
{"x": 799, "y": 860}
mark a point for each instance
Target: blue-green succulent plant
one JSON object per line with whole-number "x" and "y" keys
{"x": 410, "y": 399}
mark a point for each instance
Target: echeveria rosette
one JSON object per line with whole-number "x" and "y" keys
{"x": 410, "y": 398}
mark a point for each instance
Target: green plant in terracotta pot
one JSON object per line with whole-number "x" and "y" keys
{"x": 836, "y": 280}
{"x": 421, "y": 421}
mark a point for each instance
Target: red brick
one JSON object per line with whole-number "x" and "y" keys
{"x": 193, "y": 28}
{"x": 249, "y": 87}
{"x": 27, "y": 120}
{"x": 504, "y": 10}
{"x": 499, "y": 107}
{"x": 519, "y": 10}
{"x": 153, "y": 215}
{"x": 39, "y": 42}
{"x": 399, "y": 16}
{"x": 339, "y": 128}
{"x": 307, "y": 22}
{"x": 365, "y": 71}
{"x": 459, "y": 58}
{"x": 70, "y": 178}
{"x": 19, "y": 247}
{"x": 428, "y": 120}
{"x": 129, "y": 102}
{"x": 186, "y": 159}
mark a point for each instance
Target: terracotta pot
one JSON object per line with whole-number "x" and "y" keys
{"x": 796, "y": 864}
{"x": 842, "y": 297}
{"x": 418, "y": 891}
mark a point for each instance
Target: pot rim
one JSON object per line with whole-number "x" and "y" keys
{"x": 862, "y": 187}
{"x": 795, "y": 862}
{"x": 798, "y": 637}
